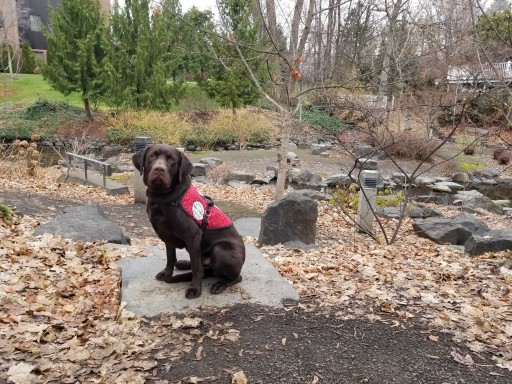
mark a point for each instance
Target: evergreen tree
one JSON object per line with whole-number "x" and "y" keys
{"x": 76, "y": 50}
{"x": 140, "y": 58}
{"x": 229, "y": 81}
{"x": 197, "y": 29}
{"x": 495, "y": 30}
{"x": 28, "y": 57}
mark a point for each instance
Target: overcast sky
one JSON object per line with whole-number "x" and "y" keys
{"x": 187, "y": 4}
{"x": 201, "y": 4}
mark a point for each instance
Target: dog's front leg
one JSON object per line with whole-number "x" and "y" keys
{"x": 196, "y": 264}
{"x": 166, "y": 273}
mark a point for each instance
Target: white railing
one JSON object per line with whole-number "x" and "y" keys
{"x": 484, "y": 73}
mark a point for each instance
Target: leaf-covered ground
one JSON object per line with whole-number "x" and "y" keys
{"x": 62, "y": 320}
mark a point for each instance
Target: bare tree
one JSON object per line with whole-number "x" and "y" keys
{"x": 13, "y": 16}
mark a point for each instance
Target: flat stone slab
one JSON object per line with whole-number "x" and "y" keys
{"x": 146, "y": 296}
{"x": 84, "y": 223}
{"x": 95, "y": 180}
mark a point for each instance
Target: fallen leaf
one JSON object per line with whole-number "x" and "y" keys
{"x": 465, "y": 360}
{"x": 21, "y": 374}
{"x": 433, "y": 338}
{"x": 198, "y": 353}
{"x": 239, "y": 378}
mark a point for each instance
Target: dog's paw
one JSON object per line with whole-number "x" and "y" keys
{"x": 193, "y": 292}
{"x": 164, "y": 275}
{"x": 218, "y": 287}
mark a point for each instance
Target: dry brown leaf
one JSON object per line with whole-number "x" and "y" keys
{"x": 239, "y": 378}
{"x": 21, "y": 373}
{"x": 465, "y": 360}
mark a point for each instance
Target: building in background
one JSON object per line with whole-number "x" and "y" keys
{"x": 24, "y": 19}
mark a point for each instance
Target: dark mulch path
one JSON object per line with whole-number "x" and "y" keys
{"x": 333, "y": 350}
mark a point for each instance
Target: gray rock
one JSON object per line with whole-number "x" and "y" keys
{"x": 399, "y": 178}
{"x": 306, "y": 177}
{"x": 292, "y": 146}
{"x": 486, "y": 173}
{"x": 450, "y": 230}
{"x": 461, "y": 177}
{"x": 436, "y": 199}
{"x": 270, "y": 174}
{"x": 450, "y": 184}
{"x": 489, "y": 182}
{"x": 211, "y": 161}
{"x": 476, "y": 200}
{"x": 317, "y": 149}
{"x": 366, "y": 163}
{"x": 341, "y": 180}
{"x": 111, "y": 151}
{"x": 416, "y": 212}
{"x": 86, "y": 223}
{"x": 291, "y": 156}
{"x": 261, "y": 181}
{"x": 502, "y": 203}
{"x": 440, "y": 179}
{"x": 241, "y": 176}
{"x": 200, "y": 169}
{"x": 492, "y": 241}
{"x": 292, "y": 218}
{"x": 312, "y": 194}
{"x": 468, "y": 195}
{"x": 422, "y": 181}
{"x": 441, "y": 188}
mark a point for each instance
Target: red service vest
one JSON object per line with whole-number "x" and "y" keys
{"x": 195, "y": 205}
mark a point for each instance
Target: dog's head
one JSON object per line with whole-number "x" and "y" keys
{"x": 162, "y": 166}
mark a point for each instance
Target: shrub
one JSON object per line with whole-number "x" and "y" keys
{"x": 44, "y": 109}
{"x": 322, "y": 121}
{"x": 406, "y": 145}
{"x": 244, "y": 127}
{"x": 43, "y": 117}
{"x": 504, "y": 158}
{"x": 28, "y": 58}
{"x": 162, "y": 127}
{"x": 497, "y": 152}
{"x": 469, "y": 150}
{"x": 204, "y": 138}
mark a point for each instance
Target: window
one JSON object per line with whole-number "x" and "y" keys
{"x": 35, "y": 23}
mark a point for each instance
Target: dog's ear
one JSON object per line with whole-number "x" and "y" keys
{"x": 139, "y": 158}
{"x": 185, "y": 167}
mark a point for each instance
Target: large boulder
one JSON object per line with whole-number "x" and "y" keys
{"x": 292, "y": 218}
{"x": 86, "y": 223}
{"x": 450, "y": 230}
{"x": 491, "y": 241}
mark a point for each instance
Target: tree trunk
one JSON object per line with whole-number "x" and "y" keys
{"x": 283, "y": 153}
{"x": 87, "y": 107}
{"x": 9, "y": 59}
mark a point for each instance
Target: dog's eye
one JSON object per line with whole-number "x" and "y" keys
{"x": 152, "y": 156}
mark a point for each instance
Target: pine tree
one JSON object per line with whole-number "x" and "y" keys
{"x": 140, "y": 63}
{"x": 228, "y": 80}
{"x": 28, "y": 57}
{"x": 76, "y": 50}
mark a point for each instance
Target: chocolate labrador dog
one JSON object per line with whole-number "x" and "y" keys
{"x": 183, "y": 218}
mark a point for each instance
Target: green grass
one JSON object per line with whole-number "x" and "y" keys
{"x": 467, "y": 166}
{"x": 24, "y": 89}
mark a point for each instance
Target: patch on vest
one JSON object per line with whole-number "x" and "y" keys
{"x": 198, "y": 210}
{"x": 194, "y": 204}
